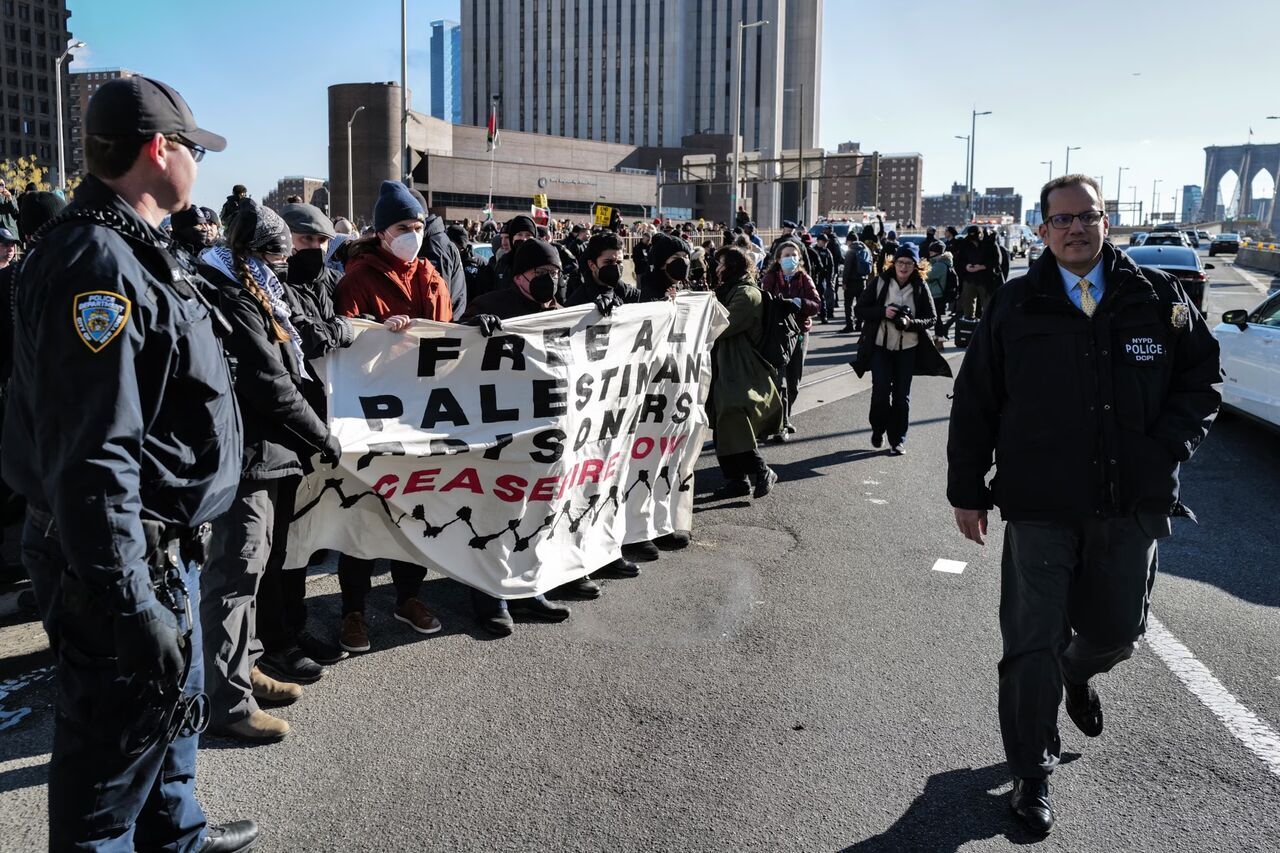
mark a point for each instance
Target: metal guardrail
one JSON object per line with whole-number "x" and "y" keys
{"x": 1259, "y": 247}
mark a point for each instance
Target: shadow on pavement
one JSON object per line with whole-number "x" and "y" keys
{"x": 955, "y": 808}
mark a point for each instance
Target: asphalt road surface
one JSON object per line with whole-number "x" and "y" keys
{"x": 800, "y": 679}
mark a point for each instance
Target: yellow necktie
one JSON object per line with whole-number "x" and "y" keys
{"x": 1087, "y": 303}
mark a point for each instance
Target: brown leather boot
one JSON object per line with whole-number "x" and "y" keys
{"x": 258, "y": 727}
{"x": 267, "y": 689}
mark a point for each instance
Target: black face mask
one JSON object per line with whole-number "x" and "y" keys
{"x": 677, "y": 269}
{"x": 281, "y": 271}
{"x": 305, "y": 265}
{"x": 193, "y": 237}
{"x": 543, "y": 288}
{"x": 609, "y": 275}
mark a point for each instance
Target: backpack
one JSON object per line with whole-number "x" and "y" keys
{"x": 862, "y": 258}
{"x": 780, "y": 330}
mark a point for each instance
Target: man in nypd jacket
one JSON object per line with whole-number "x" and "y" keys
{"x": 1089, "y": 382}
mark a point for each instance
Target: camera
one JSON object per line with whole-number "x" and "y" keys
{"x": 902, "y": 319}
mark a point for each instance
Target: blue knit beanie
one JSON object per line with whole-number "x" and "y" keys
{"x": 394, "y": 204}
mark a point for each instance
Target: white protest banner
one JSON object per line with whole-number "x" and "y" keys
{"x": 518, "y": 462}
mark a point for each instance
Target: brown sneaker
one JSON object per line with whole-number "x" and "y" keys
{"x": 416, "y": 615}
{"x": 258, "y": 727}
{"x": 267, "y": 689}
{"x": 353, "y": 636}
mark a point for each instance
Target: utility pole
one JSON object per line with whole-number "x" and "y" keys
{"x": 57, "y": 90}
{"x": 1066, "y": 170}
{"x": 973, "y": 144}
{"x": 351, "y": 208}
{"x": 1119, "y": 178}
{"x": 1048, "y": 163}
{"x": 737, "y": 116}
{"x": 1154, "y": 184}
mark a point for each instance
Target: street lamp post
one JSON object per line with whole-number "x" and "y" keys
{"x": 1119, "y": 178}
{"x": 1048, "y": 163}
{"x": 1137, "y": 213}
{"x": 973, "y": 143}
{"x": 351, "y": 207}
{"x": 1066, "y": 170}
{"x": 57, "y": 88}
{"x": 737, "y": 114}
{"x": 406, "y": 178}
{"x": 1154, "y": 184}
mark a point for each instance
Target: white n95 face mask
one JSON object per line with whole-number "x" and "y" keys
{"x": 406, "y": 246}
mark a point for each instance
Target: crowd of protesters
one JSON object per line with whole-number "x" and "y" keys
{"x": 289, "y": 281}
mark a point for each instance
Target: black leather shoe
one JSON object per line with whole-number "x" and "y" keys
{"x": 765, "y": 481}
{"x": 584, "y": 588}
{"x": 291, "y": 665}
{"x": 320, "y": 651}
{"x": 641, "y": 552}
{"x": 877, "y": 439}
{"x": 539, "y": 608}
{"x": 491, "y": 613}
{"x": 620, "y": 568}
{"x": 1084, "y": 707}
{"x": 1030, "y": 802}
{"x": 674, "y": 541}
{"x": 232, "y": 837}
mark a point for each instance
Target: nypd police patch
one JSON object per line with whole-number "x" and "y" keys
{"x": 99, "y": 315}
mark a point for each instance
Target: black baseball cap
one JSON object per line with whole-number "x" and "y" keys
{"x": 140, "y": 106}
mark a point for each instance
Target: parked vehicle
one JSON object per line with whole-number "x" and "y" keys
{"x": 1224, "y": 243}
{"x": 1250, "y": 355}
{"x": 1181, "y": 261}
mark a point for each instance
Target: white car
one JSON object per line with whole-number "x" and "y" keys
{"x": 1250, "y": 344}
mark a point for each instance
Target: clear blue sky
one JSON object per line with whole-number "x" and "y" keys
{"x": 1143, "y": 85}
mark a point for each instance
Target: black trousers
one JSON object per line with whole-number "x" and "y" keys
{"x": 355, "y": 578}
{"x": 282, "y": 594}
{"x": 852, "y": 290}
{"x": 741, "y": 466}
{"x": 1073, "y": 604}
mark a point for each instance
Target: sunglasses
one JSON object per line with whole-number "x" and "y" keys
{"x": 197, "y": 152}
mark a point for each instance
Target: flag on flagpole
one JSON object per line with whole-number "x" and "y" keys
{"x": 493, "y": 122}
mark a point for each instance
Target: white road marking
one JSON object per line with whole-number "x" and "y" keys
{"x": 1252, "y": 280}
{"x": 953, "y": 567}
{"x": 1258, "y": 737}
{"x": 877, "y": 501}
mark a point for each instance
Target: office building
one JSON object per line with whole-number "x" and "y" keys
{"x": 896, "y": 190}
{"x": 951, "y": 209}
{"x": 446, "y": 71}
{"x": 310, "y": 190}
{"x": 33, "y": 35}
{"x": 81, "y": 86}
{"x": 650, "y": 73}
{"x": 452, "y": 166}
{"x": 1191, "y": 198}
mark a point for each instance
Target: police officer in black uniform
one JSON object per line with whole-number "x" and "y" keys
{"x": 123, "y": 435}
{"x": 1090, "y": 380}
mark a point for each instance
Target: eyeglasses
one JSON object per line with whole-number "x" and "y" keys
{"x": 197, "y": 152}
{"x": 1088, "y": 219}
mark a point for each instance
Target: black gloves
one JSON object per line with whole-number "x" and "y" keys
{"x": 486, "y": 323}
{"x": 606, "y": 302}
{"x": 332, "y": 451}
{"x": 149, "y": 645}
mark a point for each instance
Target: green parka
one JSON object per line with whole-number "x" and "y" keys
{"x": 744, "y": 399}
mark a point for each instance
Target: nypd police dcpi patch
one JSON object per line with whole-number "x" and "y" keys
{"x": 99, "y": 315}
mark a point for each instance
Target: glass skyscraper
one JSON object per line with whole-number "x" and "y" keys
{"x": 446, "y": 71}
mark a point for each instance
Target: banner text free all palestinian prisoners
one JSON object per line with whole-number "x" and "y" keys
{"x": 517, "y": 462}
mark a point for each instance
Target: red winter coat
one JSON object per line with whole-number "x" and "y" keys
{"x": 800, "y": 286}
{"x": 379, "y": 284}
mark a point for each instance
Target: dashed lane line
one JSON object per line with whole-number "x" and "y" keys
{"x": 1248, "y": 728}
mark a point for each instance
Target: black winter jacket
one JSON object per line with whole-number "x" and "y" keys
{"x": 870, "y": 310}
{"x": 1085, "y": 417}
{"x": 654, "y": 285}
{"x": 445, "y": 257}
{"x": 280, "y": 426}
{"x": 589, "y": 291}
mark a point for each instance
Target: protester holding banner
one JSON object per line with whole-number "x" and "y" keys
{"x": 602, "y": 262}
{"x": 386, "y": 280}
{"x": 536, "y": 268}
{"x": 280, "y": 429}
{"x": 745, "y": 402}
{"x": 498, "y": 274}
